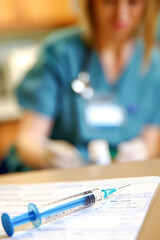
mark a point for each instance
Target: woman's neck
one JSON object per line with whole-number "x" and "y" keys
{"x": 114, "y": 56}
{"x": 110, "y": 44}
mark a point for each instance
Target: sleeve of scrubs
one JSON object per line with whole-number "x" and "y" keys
{"x": 39, "y": 91}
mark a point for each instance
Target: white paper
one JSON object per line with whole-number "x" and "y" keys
{"x": 119, "y": 217}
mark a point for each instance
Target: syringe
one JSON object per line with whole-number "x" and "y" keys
{"x": 56, "y": 209}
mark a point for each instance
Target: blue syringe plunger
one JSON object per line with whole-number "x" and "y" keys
{"x": 32, "y": 216}
{"x": 7, "y": 224}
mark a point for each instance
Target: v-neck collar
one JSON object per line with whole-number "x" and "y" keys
{"x": 97, "y": 70}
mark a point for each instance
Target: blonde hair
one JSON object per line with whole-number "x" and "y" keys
{"x": 149, "y": 25}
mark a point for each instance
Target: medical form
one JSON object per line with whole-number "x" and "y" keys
{"x": 120, "y": 217}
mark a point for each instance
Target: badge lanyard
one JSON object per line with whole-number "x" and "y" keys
{"x": 81, "y": 85}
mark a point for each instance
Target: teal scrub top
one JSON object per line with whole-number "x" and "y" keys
{"x": 46, "y": 89}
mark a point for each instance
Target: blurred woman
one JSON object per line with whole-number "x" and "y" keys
{"x": 99, "y": 81}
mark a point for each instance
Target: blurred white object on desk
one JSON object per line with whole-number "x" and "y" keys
{"x": 9, "y": 109}
{"x": 98, "y": 151}
{"x": 17, "y": 63}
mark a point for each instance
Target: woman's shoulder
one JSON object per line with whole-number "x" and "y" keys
{"x": 62, "y": 39}
{"x": 155, "y": 66}
{"x": 154, "y": 54}
{"x": 154, "y": 58}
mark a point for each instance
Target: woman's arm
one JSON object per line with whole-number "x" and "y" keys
{"x": 151, "y": 137}
{"x": 37, "y": 151}
{"x": 34, "y": 128}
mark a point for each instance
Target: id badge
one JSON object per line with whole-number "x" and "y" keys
{"x": 104, "y": 112}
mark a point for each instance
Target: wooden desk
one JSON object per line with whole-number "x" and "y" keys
{"x": 150, "y": 229}
{"x": 116, "y": 170}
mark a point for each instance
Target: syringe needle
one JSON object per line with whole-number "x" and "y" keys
{"x": 124, "y": 186}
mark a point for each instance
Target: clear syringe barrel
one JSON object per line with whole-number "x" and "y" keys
{"x": 52, "y": 211}
{"x": 65, "y": 206}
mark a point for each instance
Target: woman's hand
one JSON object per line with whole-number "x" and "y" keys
{"x": 147, "y": 146}
{"x": 61, "y": 154}
{"x": 133, "y": 150}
